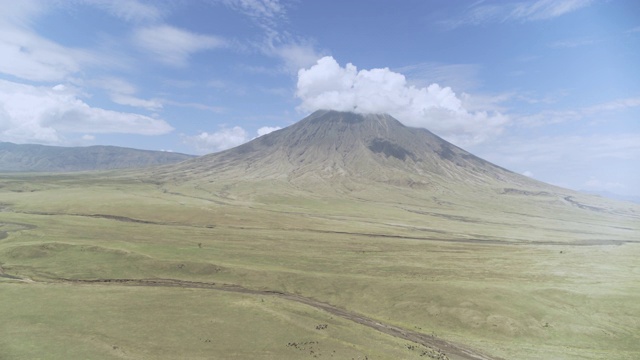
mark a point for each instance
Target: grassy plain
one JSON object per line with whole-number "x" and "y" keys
{"x": 514, "y": 276}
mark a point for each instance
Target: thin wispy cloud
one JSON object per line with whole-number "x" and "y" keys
{"x": 265, "y": 13}
{"x": 174, "y": 46}
{"x": 124, "y": 93}
{"x": 554, "y": 158}
{"x": 460, "y": 77}
{"x": 545, "y": 9}
{"x": 294, "y": 55}
{"x": 614, "y": 105}
{"x": 271, "y": 16}
{"x": 572, "y": 43}
{"x": 193, "y": 105}
{"x": 483, "y": 12}
{"x": 550, "y": 117}
{"x": 129, "y": 10}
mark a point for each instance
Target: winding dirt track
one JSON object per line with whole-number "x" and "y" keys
{"x": 446, "y": 349}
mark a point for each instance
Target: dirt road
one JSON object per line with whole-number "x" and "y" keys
{"x": 443, "y": 348}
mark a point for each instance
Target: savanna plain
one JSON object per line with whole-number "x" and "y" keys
{"x": 114, "y": 265}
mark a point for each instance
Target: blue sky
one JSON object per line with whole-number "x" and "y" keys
{"x": 550, "y": 89}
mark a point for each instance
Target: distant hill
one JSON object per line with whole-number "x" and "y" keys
{"x": 42, "y": 158}
{"x": 610, "y": 195}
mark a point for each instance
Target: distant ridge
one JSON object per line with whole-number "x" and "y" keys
{"x": 43, "y": 158}
{"x": 614, "y": 196}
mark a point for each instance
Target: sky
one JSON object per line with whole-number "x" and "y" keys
{"x": 546, "y": 88}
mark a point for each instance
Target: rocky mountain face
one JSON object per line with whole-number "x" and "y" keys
{"x": 41, "y": 158}
{"x": 331, "y": 146}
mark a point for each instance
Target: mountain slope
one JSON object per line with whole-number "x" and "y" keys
{"x": 330, "y": 144}
{"x": 375, "y": 159}
{"x": 338, "y": 150}
{"x": 41, "y": 158}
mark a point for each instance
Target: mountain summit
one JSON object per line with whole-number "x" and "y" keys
{"x": 341, "y": 147}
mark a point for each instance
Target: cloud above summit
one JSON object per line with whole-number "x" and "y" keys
{"x": 327, "y": 85}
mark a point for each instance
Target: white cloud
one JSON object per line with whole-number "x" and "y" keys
{"x": 123, "y": 99}
{"x": 327, "y": 85}
{"x": 527, "y": 173}
{"x": 43, "y": 115}
{"x": 28, "y": 56}
{"x": 222, "y": 139}
{"x": 267, "y": 129}
{"x": 174, "y": 46}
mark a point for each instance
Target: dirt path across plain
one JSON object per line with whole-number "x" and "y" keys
{"x": 443, "y": 348}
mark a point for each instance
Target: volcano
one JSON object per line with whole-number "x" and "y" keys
{"x": 371, "y": 157}
{"x": 332, "y": 146}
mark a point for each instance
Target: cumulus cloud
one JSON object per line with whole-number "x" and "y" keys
{"x": 44, "y": 115}
{"x": 174, "y": 46}
{"x": 224, "y": 139}
{"x": 327, "y": 85}
{"x": 267, "y": 129}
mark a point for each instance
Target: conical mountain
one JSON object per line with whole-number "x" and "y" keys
{"x": 374, "y": 171}
{"x": 336, "y": 148}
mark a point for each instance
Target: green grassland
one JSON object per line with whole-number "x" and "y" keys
{"x": 512, "y": 275}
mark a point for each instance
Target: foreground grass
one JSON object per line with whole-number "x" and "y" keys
{"x": 557, "y": 285}
{"x": 76, "y": 322}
